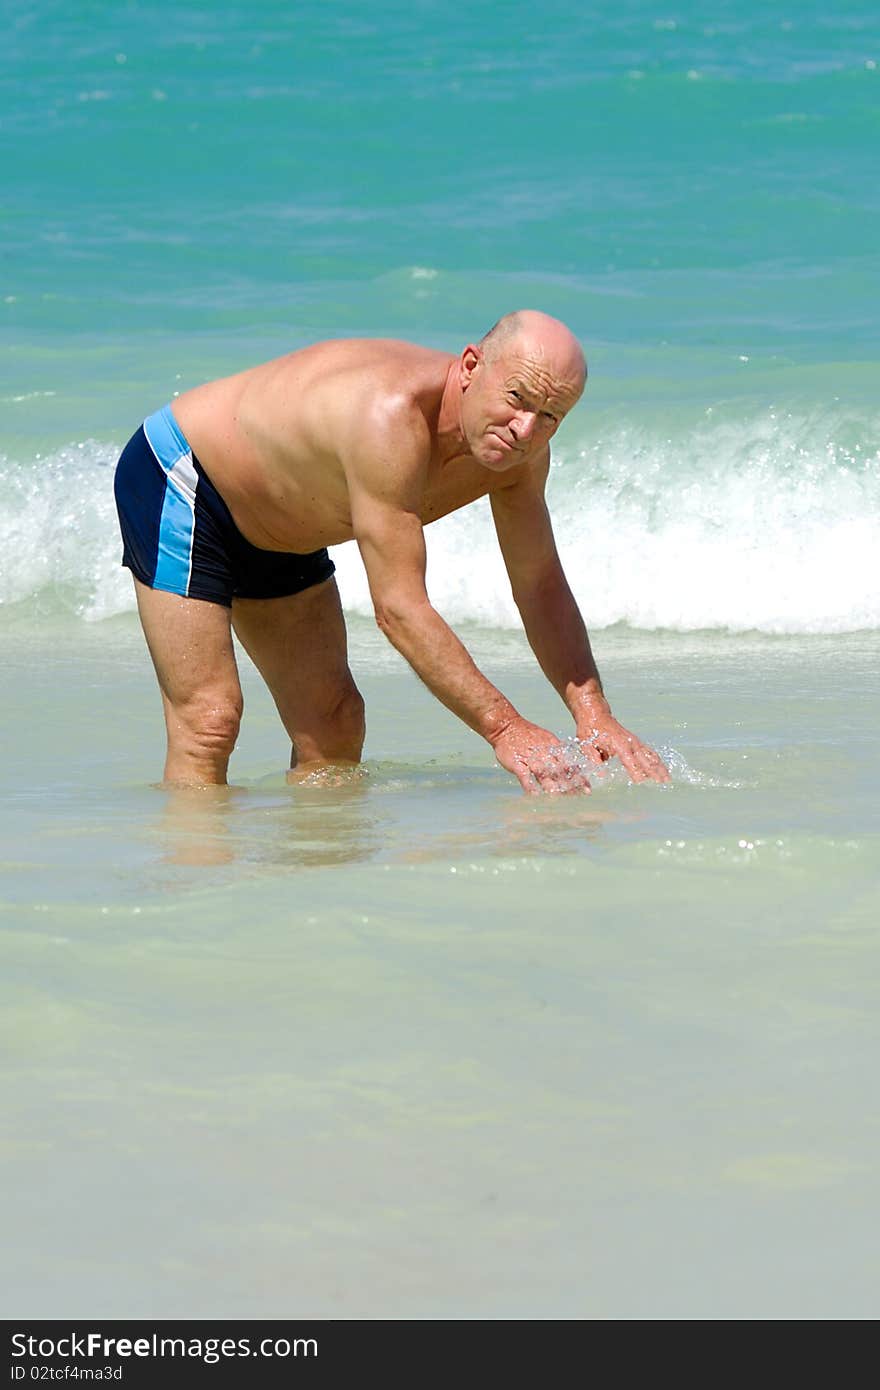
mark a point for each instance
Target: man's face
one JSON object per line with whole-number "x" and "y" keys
{"x": 513, "y": 405}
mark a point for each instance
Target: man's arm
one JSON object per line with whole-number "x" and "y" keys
{"x": 554, "y": 625}
{"x": 386, "y": 485}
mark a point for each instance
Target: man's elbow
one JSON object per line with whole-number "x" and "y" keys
{"x": 398, "y": 615}
{"x": 385, "y": 620}
{"x": 545, "y": 592}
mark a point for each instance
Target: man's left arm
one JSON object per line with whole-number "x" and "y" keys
{"x": 554, "y": 626}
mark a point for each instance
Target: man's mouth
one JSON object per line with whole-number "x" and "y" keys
{"x": 505, "y": 443}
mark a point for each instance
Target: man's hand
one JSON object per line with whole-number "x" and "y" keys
{"x": 539, "y": 760}
{"x": 603, "y": 738}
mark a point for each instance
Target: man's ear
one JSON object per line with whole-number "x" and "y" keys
{"x": 468, "y": 363}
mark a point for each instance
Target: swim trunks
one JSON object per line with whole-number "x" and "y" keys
{"x": 178, "y": 533}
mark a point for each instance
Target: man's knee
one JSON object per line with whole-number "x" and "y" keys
{"x": 209, "y": 723}
{"x": 336, "y": 734}
{"x": 350, "y": 720}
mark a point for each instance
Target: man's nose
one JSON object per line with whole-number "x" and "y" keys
{"x": 523, "y": 424}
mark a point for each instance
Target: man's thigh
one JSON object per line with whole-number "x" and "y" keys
{"x": 299, "y": 646}
{"x": 190, "y": 641}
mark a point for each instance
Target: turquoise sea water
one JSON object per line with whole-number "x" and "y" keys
{"x": 417, "y": 1045}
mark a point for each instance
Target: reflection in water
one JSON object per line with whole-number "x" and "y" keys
{"x": 518, "y": 825}
{"x": 322, "y": 819}
{"x": 194, "y": 825}
{"x": 551, "y": 825}
{"x": 448, "y": 813}
{"x": 399, "y": 814}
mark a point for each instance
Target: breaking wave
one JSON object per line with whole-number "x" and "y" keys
{"x": 771, "y": 524}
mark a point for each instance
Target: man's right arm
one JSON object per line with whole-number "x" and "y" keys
{"x": 386, "y": 517}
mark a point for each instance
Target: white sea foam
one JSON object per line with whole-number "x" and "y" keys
{"x": 59, "y": 539}
{"x": 769, "y": 524}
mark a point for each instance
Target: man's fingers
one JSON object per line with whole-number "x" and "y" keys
{"x": 594, "y": 751}
{"x": 542, "y": 763}
{"x": 633, "y": 767}
{"x": 559, "y": 776}
{"x": 644, "y": 765}
{"x": 526, "y": 778}
{"x": 536, "y": 780}
{"x": 616, "y": 747}
{"x": 651, "y": 764}
{"x": 639, "y": 761}
{"x": 657, "y": 769}
{"x": 563, "y": 780}
{"x": 574, "y": 777}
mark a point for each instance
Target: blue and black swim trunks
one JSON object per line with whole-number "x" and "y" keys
{"x": 178, "y": 533}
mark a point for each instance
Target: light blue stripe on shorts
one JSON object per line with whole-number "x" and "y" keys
{"x": 178, "y": 523}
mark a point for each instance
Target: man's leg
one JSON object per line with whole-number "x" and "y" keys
{"x": 190, "y": 642}
{"x": 298, "y": 645}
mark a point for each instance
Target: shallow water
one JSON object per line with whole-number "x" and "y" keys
{"x": 419, "y": 1045}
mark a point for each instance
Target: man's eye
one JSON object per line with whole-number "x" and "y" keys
{"x": 547, "y": 416}
{"x": 516, "y": 395}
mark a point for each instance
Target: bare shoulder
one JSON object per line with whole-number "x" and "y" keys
{"x": 368, "y": 362}
{"x": 386, "y": 451}
{"x": 382, "y": 397}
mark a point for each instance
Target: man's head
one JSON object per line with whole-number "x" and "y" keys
{"x": 517, "y": 384}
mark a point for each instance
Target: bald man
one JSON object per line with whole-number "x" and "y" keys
{"x": 227, "y": 505}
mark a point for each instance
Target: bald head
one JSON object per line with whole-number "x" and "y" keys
{"x": 517, "y": 386}
{"x": 540, "y": 337}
